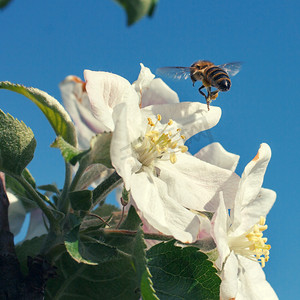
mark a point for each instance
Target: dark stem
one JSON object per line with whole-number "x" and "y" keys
{"x": 105, "y": 187}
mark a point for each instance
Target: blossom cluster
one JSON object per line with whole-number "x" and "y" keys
{"x": 174, "y": 192}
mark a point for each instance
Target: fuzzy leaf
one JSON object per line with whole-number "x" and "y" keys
{"x": 20, "y": 192}
{"x": 182, "y": 273}
{"x": 81, "y": 200}
{"x": 17, "y": 144}
{"x": 136, "y": 9}
{"x": 3, "y": 3}
{"x": 52, "y": 109}
{"x": 67, "y": 150}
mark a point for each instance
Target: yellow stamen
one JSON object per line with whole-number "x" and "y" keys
{"x": 252, "y": 244}
{"x": 159, "y": 143}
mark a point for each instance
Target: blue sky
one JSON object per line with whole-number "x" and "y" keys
{"x": 44, "y": 41}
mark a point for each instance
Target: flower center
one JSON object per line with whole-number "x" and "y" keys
{"x": 159, "y": 144}
{"x": 252, "y": 244}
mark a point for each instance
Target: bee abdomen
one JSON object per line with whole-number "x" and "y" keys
{"x": 218, "y": 78}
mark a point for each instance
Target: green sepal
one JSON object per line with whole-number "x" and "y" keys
{"x": 52, "y": 109}
{"x": 17, "y": 145}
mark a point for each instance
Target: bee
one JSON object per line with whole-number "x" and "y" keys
{"x": 207, "y": 72}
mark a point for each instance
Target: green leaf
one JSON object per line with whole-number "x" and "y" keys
{"x": 182, "y": 273}
{"x": 72, "y": 246}
{"x": 87, "y": 250}
{"x": 147, "y": 291}
{"x": 136, "y": 9}
{"x": 117, "y": 275}
{"x": 112, "y": 280}
{"x": 52, "y": 188}
{"x": 132, "y": 221}
{"x": 3, "y": 3}
{"x": 81, "y": 200}
{"x": 152, "y": 8}
{"x": 17, "y": 144}
{"x": 20, "y": 192}
{"x": 67, "y": 150}
{"x": 52, "y": 109}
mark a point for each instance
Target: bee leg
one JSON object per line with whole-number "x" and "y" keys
{"x": 208, "y": 102}
{"x": 203, "y": 94}
{"x": 209, "y": 97}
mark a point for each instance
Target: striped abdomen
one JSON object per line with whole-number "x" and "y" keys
{"x": 217, "y": 78}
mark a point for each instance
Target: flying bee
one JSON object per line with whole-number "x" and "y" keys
{"x": 207, "y": 72}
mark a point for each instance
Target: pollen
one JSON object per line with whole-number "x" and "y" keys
{"x": 159, "y": 142}
{"x": 252, "y": 244}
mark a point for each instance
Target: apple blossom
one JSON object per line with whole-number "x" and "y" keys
{"x": 239, "y": 236}
{"x": 148, "y": 152}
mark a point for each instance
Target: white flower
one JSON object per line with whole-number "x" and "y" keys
{"x": 147, "y": 150}
{"x": 239, "y": 238}
{"x": 16, "y": 213}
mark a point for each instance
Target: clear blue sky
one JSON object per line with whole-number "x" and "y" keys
{"x": 44, "y": 41}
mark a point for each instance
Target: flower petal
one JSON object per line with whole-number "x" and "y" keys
{"x": 219, "y": 229}
{"x": 122, "y": 156}
{"x": 161, "y": 211}
{"x": 229, "y": 275}
{"x": 192, "y": 117}
{"x": 77, "y": 104}
{"x": 251, "y": 213}
{"x": 216, "y": 155}
{"x": 105, "y": 91}
{"x": 251, "y": 182}
{"x": 36, "y": 225}
{"x": 16, "y": 213}
{"x": 144, "y": 80}
{"x": 158, "y": 93}
{"x": 197, "y": 183}
{"x": 252, "y": 281}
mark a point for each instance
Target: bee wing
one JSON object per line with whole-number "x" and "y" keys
{"x": 175, "y": 72}
{"x": 231, "y": 68}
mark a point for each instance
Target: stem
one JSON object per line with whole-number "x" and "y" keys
{"x": 40, "y": 202}
{"x": 104, "y": 188}
{"x": 147, "y": 236}
{"x": 76, "y": 178}
{"x": 98, "y": 217}
{"x": 123, "y": 211}
{"x": 63, "y": 204}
